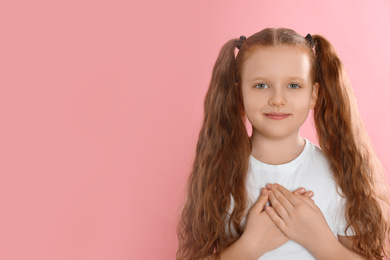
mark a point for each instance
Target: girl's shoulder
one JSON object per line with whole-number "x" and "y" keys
{"x": 320, "y": 162}
{"x": 317, "y": 154}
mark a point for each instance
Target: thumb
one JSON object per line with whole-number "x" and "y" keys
{"x": 262, "y": 200}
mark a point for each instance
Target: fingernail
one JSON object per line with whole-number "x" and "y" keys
{"x": 301, "y": 190}
{"x": 263, "y": 192}
{"x": 276, "y": 185}
{"x": 270, "y": 192}
{"x": 310, "y": 193}
{"x": 269, "y": 186}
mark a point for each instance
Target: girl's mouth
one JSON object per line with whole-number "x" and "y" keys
{"x": 277, "y": 116}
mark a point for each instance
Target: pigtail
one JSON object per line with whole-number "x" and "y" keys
{"x": 220, "y": 166}
{"x": 345, "y": 142}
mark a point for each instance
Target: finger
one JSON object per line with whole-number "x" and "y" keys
{"x": 277, "y": 205}
{"x": 308, "y": 194}
{"x": 300, "y": 190}
{"x": 292, "y": 200}
{"x": 261, "y": 201}
{"x": 308, "y": 200}
{"x": 275, "y": 218}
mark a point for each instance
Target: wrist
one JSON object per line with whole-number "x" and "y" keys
{"x": 324, "y": 249}
{"x": 250, "y": 248}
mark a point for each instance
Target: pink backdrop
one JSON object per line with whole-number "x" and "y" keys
{"x": 101, "y": 103}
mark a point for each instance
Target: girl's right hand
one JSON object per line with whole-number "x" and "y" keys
{"x": 261, "y": 235}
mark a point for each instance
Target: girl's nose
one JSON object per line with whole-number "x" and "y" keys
{"x": 277, "y": 99}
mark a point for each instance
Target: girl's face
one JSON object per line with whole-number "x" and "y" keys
{"x": 277, "y": 80}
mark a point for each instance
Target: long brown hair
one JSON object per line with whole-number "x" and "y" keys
{"x": 222, "y": 153}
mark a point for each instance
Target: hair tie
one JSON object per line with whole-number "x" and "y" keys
{"x": 242, "y": 39}
{"x": 310, "y": 39}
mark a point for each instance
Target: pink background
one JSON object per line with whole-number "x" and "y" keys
{"x": 101, "y": 103}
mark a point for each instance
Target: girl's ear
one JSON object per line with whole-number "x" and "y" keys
{"x": 314, "y": 95}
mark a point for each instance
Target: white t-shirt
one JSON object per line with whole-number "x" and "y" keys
{"x": 309, "y": 170}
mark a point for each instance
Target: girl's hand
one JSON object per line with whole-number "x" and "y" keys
{"x": 298, "y": 218}
{"x": 261, "y": 234}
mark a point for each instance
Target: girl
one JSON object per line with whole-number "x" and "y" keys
{"x": 274, "y": 81}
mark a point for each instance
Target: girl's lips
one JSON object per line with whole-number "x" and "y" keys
{"x": 277, "y": 116}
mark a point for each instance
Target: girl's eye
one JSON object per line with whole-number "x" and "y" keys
{"x": 297, "y": 86}
{"x": 261, "y": 85}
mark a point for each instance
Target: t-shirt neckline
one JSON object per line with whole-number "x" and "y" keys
{"x": 281, "y": 167}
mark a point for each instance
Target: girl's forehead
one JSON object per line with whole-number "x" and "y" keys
{"x": 276, "y": 61}
{"x": 280, "y": 54}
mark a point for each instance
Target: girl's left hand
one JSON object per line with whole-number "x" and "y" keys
{"x": 298, "y": 218}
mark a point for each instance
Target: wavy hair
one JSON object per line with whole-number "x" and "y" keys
{"x": 219, "y": 170}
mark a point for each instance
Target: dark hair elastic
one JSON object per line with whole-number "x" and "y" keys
{"x": 242, "y": 39}
{"x": 310, "y": 39}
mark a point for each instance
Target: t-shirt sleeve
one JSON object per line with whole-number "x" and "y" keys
{"x": 340, "y": 220}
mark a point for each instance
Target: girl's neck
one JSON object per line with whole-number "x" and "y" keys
{"x": 276, "y": 151}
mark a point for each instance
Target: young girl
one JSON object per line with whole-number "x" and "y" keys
{"x": 274, "y": 81}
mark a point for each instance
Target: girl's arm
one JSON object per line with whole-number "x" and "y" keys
{"x": 249, "y": 247}
{"x": 236, "y": 251}
{"x": 302, "y": 221}
{"x": 257, "y": 242}
{"x": 335, "y": 249}
{"x": 328, "y": 249}
{"x": 348, "y": 242}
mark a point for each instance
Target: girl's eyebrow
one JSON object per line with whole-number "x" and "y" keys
{"x": 288, "y": 78}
